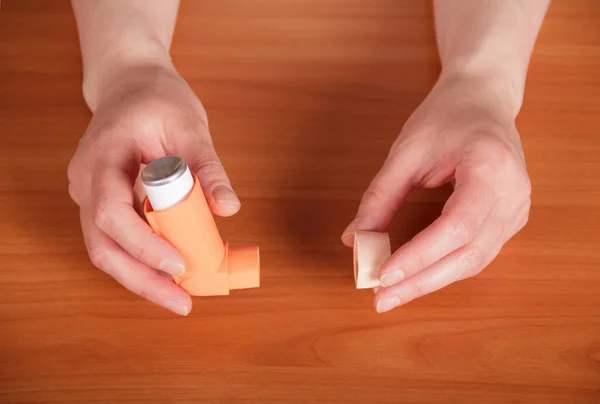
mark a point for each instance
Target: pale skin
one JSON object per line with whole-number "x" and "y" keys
{"x": 463, "y": 132}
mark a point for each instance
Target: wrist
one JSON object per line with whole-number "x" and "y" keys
{"x": 503, "y": 78}
{"x": 121, "y": 64}
{"x": 495, "y": 86}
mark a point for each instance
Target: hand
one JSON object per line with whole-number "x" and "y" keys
{"x": 463, "y": 133}
{"x": 146, "y": 113}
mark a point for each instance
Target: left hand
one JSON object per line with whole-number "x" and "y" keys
{"x": 464, "y": 132}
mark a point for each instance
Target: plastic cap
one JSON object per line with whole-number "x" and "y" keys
{"x": 371, "y": 249}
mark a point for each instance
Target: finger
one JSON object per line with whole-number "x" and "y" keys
{"x": 384, "y": 195}
{"x": 114, "y": 214}
{"x": 459, "y": 223}
{"x": 198, "y": 152}
{"x": 465, "y": 262}
{"x": 132, "y": 274}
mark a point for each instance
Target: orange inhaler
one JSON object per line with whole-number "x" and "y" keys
{"x": 212, "y": 266}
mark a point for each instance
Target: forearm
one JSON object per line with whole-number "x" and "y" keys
{"x": 489, "y": 39}
{"x": 118, "y": 34}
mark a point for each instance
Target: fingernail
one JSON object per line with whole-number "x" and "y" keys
{"x": 172, "y": 267}
{"x": 391, "y": 278}
{"x": 376, "y": 289}
{"x": 387, "y": 304}
{"x": 177, "y": 307}
{"x": 225, "y": 195}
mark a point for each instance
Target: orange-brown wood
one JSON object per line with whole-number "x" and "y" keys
{"x": 304, "y": 98}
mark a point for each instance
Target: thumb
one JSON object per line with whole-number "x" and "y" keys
{"x": 201, "y": 157}
{"x": 383, "y": 196}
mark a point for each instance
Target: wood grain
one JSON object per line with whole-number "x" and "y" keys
{"x": 304, "y": 97}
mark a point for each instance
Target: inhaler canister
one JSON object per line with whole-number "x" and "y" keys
{"x": 167, "y": 181}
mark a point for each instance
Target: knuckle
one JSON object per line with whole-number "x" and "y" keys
{"x": 73, "y": 193}
{"x": 211, "y": 166}
{"x": 102, "y": 212}
{"x": 415, "y": 291}
{"x": 526, "y": 185}
{"x": 472, "y": 263}
{"x": 144, "y": 294}
{"x": 421, "y": 259}
{"x": 71, "y": 172}
{"x": 523, "y": 221}
{"x": 71, "y": 177}
{"x": 525, "y": 189}
{"x": 374, "y": 195}
{"x": 463, "y": 230}
{"x": 97, "y": 257}
{"x": 207, "y": 161}
{"x": 141, "y": 253}
{"x": 527, "y": 211}
{"x": 211, "y": 174}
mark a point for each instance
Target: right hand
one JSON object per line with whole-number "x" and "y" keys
{"x": 144, "y": 113}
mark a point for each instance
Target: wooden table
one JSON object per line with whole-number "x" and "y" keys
{"x": 305, "y": 97}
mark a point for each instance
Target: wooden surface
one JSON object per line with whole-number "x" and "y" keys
{"x": 304, "y": 97}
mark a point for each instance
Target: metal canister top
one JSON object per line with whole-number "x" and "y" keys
{"x": 163, "y": 171}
